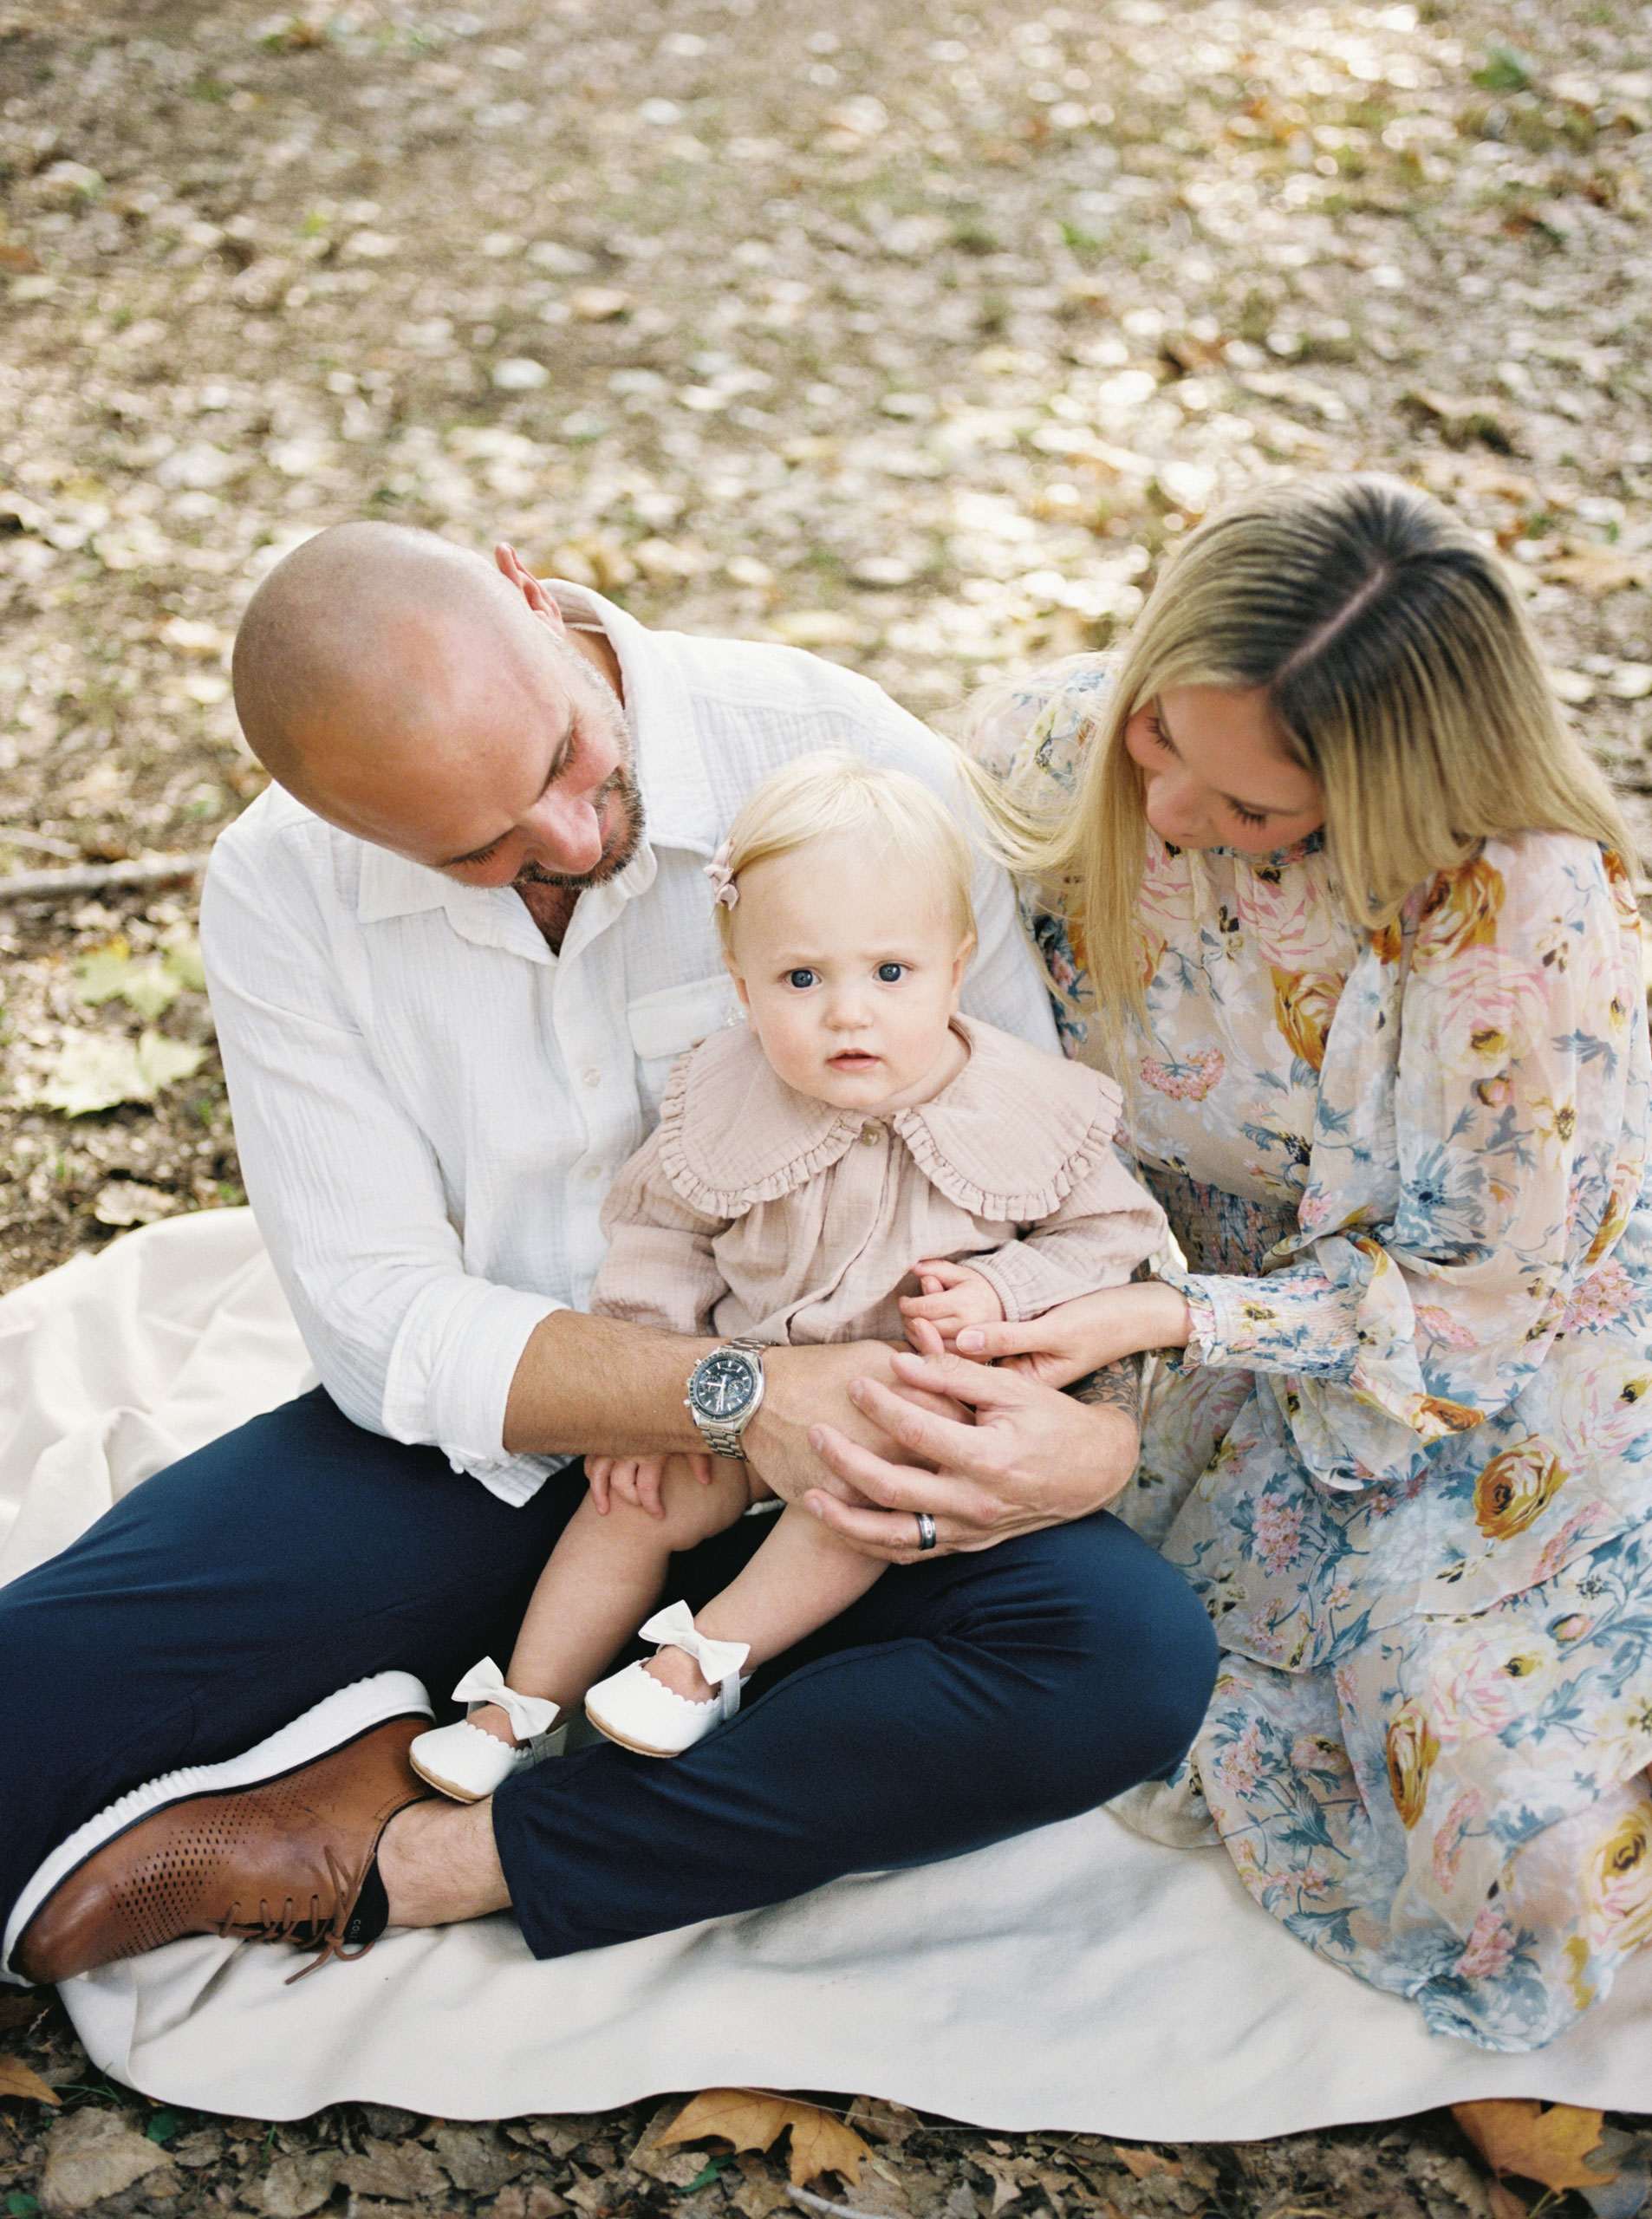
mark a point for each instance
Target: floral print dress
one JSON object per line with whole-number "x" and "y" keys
{"x": 1406, "y": 1457}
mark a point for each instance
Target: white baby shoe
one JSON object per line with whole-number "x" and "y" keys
{"x": 640, "y": 1713}
{"x": 465, "y": 1762}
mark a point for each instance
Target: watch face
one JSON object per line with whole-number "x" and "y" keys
{"x": 724, "y": 1384}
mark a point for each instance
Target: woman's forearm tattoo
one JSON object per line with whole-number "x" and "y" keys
{"x": 1116, "y": 1385}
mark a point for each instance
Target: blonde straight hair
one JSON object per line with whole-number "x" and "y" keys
{"x": 830, "y": 793}
{"x": 1403, "y": 675}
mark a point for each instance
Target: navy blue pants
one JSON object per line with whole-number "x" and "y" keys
{"x": 958, "y": 1702}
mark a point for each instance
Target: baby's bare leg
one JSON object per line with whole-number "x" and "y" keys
{"x": 605, "y": 1575}
{"x": 800, "y": 1578}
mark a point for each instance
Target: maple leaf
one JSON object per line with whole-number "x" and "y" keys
{"x": 18, "y": 2079}
{"x": 1517, "y": 2135}
{"x": 752, "y": 2118}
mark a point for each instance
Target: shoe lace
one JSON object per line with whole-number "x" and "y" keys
{"x": 324, "y": 1932}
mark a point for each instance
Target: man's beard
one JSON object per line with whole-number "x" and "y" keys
{"x": 618, "y": 851}
{"x": 622, "y": 844}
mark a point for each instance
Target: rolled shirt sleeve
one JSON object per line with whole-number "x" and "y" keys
{"x": 346, "y": 1188}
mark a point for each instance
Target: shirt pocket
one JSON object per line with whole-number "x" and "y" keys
{"x": 665, "y": 1025}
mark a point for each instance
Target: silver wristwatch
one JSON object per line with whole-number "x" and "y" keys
{"x": 724, "y": 1391}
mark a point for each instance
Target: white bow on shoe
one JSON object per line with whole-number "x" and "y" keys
{"x": 720, "y": 1661}
{"x": 529, "y": 1715}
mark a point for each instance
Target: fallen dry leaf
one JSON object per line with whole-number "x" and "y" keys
{"x": 17, "y": 2079}
{"x": 1142, "y": 2163}
{"x": 91, "y": 2154}
{"x": 751, "y": 2118}
{"x": 1008, "y": 2175}
{"x": 95, "y": 1070}
{"x": 1596, "y": 569}
{"x": 598, "y": 303}
{"x": 1503, "y": 2202}
{"x": 1518, "y": 2135}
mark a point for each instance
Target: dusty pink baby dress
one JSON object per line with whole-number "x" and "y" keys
{"x": 753, "y": 1210}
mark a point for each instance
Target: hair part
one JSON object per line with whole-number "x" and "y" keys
{"x": 1402, "y": 672}
{"x": 833, "y": 794}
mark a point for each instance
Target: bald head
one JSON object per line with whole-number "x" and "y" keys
{"x": 356, "y": 643}
{"x": 422, "y": 699}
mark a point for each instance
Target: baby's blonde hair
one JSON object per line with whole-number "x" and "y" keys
{"x": 820, "y": 796}
{"x": 1402, "y": 674}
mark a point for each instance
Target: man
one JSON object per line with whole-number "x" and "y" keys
{"x": 452, "y": 955}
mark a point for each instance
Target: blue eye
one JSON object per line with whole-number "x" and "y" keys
{"x": 891, "y": 974}
{"x": 801, "y": 978}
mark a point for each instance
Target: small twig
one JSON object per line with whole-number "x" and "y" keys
{"x": 838, "y": 2210}
{"x": 14, "y": 836}
{"x": 97, "y": 878}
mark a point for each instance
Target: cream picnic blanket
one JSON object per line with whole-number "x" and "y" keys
{"x": 1078, "y": 1977}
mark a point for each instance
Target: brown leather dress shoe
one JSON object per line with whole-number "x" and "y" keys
{"x": 281, "y": 1858}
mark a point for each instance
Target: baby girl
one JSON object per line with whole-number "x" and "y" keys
{"x": 856, "y": 1158}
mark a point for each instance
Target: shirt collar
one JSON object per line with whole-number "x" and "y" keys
{"x": 671, "y": 775}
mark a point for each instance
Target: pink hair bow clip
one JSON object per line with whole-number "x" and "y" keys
{"x": 725, "y": 893}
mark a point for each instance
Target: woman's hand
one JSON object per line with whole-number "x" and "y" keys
{"x": 1031, "y": 1458}
{"x": 1084, "y": 1335}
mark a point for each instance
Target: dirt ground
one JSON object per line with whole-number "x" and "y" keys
{"x": 908, "y": 333}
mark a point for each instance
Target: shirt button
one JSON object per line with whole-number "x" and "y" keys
{"x": 593, "y": 1076}
{"x": 870, "y": 1135}
{"x": 592, "y": 1171}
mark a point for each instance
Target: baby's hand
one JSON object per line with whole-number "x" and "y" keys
{"x": 638, "y": 1479}
{"x": 953, "y": 1297}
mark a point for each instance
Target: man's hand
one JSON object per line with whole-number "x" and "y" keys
{"x": 1031, "y": 1458}
{"x": 807, "y": 1387}
{"x": 953, "y": 1297}
{"x": 1078, "y": 1337}
{"x": 638, "y": 1479}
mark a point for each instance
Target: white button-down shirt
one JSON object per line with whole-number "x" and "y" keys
{"x": 430, "y": 1103}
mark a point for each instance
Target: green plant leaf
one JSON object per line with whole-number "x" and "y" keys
{"x": 707, "y": 2173}
{"x": 1505, "y": 69}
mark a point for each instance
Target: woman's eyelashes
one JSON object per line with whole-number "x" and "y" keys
{"x": 1159, "y": 738}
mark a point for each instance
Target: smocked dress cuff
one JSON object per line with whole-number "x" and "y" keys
{"x": 1294, "y": 1322}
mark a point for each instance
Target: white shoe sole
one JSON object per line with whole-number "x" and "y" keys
{"x": 637, "y": 1748}
{"x": 556, "y": 1740}
{"x": 336, "y": 1721}
{"x": 451, "y": 1788}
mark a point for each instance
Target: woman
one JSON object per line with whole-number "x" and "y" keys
{"x": 1322, "y": 875}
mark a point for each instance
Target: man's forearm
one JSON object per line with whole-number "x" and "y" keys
{"x": 586, "y": 1386}
{"x": 1114, "y": 1386}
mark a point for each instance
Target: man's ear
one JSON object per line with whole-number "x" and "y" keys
{"x": 516, "y": 572}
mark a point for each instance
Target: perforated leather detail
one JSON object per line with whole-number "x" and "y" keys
{"x": 283, "y": 1862}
